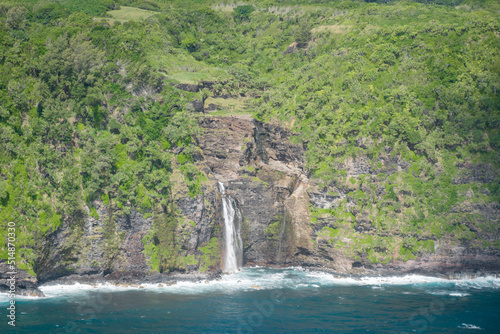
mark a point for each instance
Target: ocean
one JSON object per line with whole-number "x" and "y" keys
{"x": 263, "y": 300}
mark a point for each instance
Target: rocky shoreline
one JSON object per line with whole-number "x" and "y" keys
{"x": 264, "y": 171}
{"x": 27, "y": 285}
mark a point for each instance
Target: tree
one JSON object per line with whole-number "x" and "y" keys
{"x": 16, "y": 18}
{"x": 303, "y": 34}
{"x": 190, "y": 43}
{"x": 242, "y": 13}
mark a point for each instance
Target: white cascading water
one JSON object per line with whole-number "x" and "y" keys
{"x": 282, "y": 231}
{"x": 233, "y": 244}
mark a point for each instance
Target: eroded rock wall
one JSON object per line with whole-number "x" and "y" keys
{"x": 264, "y": 172}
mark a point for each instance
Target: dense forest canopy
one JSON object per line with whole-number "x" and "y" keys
{"x": 90, "y": 110}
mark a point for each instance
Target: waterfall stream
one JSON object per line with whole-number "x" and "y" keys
{"x": 232, "y": 225}
{"x": 282, "y": 231}
{"x": 261, "y": 150}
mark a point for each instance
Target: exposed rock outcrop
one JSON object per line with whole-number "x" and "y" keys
{"x": 19, "y": 281}
{"x": 196, "y": 105}
{"x": 265, "y": 173}
{"x": 86, "y": 251}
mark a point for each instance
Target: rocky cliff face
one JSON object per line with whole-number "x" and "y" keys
{"x": 18, "y": 282}
{"x": 85, "y": 252}
{"x": 264, "y": 172}
{"x": 260, "y": 168}
{"x": 445, "y": 257}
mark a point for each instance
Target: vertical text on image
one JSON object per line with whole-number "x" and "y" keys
{"x": 11, "y": 281}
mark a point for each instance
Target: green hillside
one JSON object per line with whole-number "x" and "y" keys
{"x": 90, "y": 109}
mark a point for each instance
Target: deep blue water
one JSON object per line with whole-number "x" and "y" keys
{"x": 260, "y": 300}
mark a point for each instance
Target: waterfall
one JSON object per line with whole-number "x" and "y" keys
{"x": 282, "y": 231}
{"x": 261, "y": 150}
{"x": 232, "y": 225}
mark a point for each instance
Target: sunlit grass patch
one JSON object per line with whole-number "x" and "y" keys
{"x": 232, "y": 104}
{"x": 183, "y": 67}
{"x": 334, "y": 28}
{"x": 125, "y": 14}
{"x": 190, "y": 77}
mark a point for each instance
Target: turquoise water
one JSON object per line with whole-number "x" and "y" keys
{"x": 261, "y": 300}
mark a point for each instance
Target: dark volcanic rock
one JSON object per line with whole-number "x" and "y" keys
{"x": 71, "y": 251}
{"x": 480, "y": 172}
{"x": 197, "y": 105}
{"x": 262, "y": 170}
{"x": 25, "y": 284}
{"x": 187, "y": 87}
{"x": 212, "y": 107}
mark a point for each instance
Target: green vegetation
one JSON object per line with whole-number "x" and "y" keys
{"x": 303, "y": 34}
{"x": 88, "y": 112}
{"x": 73, "y": 125}
{"x": 210, "y": 256}
{"x": 242, "y": 13}
{"x": 160, "y": 245}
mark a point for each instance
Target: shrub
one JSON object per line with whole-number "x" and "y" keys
{"x": 242, "y": 13}
{"x": 303, "y": 34}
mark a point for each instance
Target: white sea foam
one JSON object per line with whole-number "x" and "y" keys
{"x": 470, "y": 326}
{"x": 260, "y": 278}
{"x": 447, "y": 293}
{"x": 459, "y": 294}
{"x": 479, "y": 283}
{"x": 375, "y": 281}
{"x": 476, "y": 283}
{"x": 4, "y": 297}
